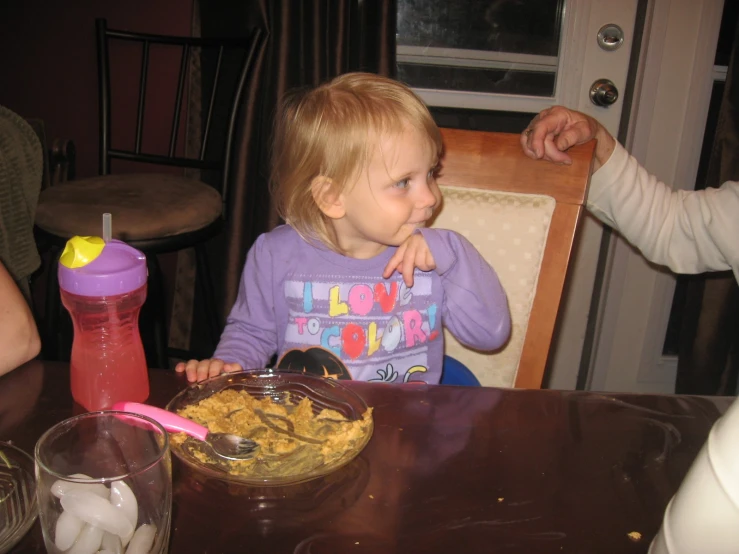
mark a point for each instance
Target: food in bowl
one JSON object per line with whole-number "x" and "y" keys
{"x": 300, "y": 434}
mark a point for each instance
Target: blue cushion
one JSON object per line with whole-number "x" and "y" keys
{"x": 454, "y": 372}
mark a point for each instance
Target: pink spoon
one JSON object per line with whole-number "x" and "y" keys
{"x": 225, "y": 445}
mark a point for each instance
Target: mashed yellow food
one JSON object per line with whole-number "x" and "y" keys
{"x": 293, "y": 440}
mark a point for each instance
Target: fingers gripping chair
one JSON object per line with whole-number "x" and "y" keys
{"x": 156, "y": 212}
{"x": 522, "y": 216}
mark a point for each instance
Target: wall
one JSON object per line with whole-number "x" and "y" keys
{"x": 49, "y": 64}
{"x": 49, "y": 71}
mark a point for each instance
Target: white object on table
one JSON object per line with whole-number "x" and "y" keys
{"x": 703, "y": 516}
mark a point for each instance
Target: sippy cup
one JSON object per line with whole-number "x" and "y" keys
{"x": 103, "y": 286}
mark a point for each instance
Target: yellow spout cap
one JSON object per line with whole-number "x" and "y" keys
{"x": 80, "y": 251}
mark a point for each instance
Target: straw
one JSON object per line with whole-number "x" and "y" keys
{"x": 107, "y": 227}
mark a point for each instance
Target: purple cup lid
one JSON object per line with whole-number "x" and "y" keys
{"x": 118, "y": 269}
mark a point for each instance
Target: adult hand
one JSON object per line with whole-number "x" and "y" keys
{"x": 554, "y": 130}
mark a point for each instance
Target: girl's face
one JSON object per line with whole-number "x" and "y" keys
{"x": 392, "y": 197}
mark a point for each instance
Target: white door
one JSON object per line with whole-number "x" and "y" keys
{"x": 665, "y": 135}
{"x": 519, "y": 57}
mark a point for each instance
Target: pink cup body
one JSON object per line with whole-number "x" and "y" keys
{"x": 107, "y": 364}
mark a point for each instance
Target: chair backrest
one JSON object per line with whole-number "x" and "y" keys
{"x": 59, "y": 156}
{"x": 210, "y": 156}
{"x": 521, "y": 214}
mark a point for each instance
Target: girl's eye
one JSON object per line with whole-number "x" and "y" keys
{"x": 404, "y": 184}
{"x": 433, "y": 173}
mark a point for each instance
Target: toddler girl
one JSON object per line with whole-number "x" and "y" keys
{"x": 354, "y": 286}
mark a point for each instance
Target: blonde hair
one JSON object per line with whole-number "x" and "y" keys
{"x": 331, "y": 131}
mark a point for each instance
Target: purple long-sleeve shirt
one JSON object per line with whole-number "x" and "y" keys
{"x": 337, "y": 316}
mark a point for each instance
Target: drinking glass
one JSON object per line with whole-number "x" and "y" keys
{"x": 104, "y": 482}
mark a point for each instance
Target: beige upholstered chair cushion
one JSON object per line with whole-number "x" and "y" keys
{"x": 510, "y": 231}
{"x": 143, "y": 206}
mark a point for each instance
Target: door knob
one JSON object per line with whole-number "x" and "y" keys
{"x": 603, "y": 93}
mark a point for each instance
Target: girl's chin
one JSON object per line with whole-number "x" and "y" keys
{"x": 411, "y": 228}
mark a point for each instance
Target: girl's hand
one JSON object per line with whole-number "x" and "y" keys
{"x": 203, "y": 369}
{"x": 411, "y": 254}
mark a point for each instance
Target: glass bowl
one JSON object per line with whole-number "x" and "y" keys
{"x": 282, "y": 387}
{"x": 18, "y": 508}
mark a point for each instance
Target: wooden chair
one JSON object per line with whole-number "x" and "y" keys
{"x": 522, "y": 215}
{"x": 157, "y": 212}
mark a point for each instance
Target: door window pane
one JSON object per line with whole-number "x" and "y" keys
{"x": 726, "y": 33}
{"x": 495, "y": 121}
{"x": 498, "y": 46}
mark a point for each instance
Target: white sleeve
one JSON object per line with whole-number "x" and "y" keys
{"x": 688, "y": 231}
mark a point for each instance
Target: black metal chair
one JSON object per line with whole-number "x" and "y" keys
{"x": 155, "y": 212}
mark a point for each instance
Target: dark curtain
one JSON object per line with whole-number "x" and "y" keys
{"x": 708, "y": 357}
{"x": 309, "y": 42}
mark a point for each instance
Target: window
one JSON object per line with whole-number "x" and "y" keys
{"x": 480, "y": 46}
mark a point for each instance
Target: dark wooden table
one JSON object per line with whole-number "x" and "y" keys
{"x": 449, "y": 469}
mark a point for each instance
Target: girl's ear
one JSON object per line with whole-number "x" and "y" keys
{"x": 327, "y": 198}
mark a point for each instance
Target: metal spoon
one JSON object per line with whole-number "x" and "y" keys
{"x": 225, "y": 445}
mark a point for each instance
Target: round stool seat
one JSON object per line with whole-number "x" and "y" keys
{"x": 143, "y": 205}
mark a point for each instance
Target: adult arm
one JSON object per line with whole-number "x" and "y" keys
{"x": 688, "y": 231}
{"x": 19, "y": 340}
